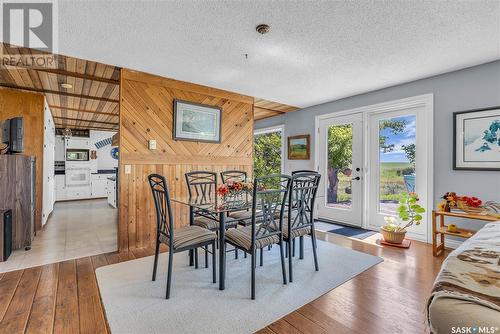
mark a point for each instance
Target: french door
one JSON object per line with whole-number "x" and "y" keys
{"x": 397, "y": 163}
{"x": 340, "y": 196}
{"x": 369, "y": 156}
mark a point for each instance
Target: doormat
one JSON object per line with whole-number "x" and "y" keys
{"x": 349, "y": 231}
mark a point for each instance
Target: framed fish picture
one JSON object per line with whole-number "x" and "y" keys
{"x": 477, "y": 139}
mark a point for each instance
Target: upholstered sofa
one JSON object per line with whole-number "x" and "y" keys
{"x": 466, "y": 294}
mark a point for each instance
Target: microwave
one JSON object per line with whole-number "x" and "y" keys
{"x": 73, "y": 154}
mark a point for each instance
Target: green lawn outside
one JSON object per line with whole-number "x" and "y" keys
{"x": 391, "y": 182}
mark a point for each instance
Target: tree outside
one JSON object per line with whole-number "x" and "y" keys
{"x": 397, "y": 157}
{"x": 267, "y": 154}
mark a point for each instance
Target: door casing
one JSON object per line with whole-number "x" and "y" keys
{"x": 425, "y": 101}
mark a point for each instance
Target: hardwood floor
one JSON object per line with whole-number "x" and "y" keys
{"x": 387, "y": 298}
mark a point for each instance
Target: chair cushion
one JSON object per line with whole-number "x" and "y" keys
{"x": 190, "y": 235}
{"x": 212, "y": 224}
{"x": 296, "y": 232}
{"x": 240, "y": 215}
{"x": 245, "y": 217}
{"x": 243, "y": 237}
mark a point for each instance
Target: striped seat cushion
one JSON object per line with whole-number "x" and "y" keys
{"x": 212, "y": 224}
{"x": 243, "y": 238}
{"x": 296, "y": 232}
{"x": 244, "y": 217}
{"x": 189, "y": 235}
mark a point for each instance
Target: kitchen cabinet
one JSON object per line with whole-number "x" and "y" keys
{"x": 59, "y": 149}
{"x": 111, "y": 188}
{"x": 100, "y": 185}
{"x": 77, "y": 143}
{"x": 78, "y": 192}
{"x": 60, "y": 185}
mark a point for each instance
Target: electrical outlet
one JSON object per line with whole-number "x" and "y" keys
{"x": 128, "y": 169}
{"x": 152, "y": 144}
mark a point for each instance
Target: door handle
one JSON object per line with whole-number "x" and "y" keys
{"x": 357, "y": 178}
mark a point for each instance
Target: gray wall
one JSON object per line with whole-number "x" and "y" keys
{"x": 471, "y": 88}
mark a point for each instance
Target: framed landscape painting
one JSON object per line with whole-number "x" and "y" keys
{"x": 477, "y": 139}
{"x": 299, "y": 147}
{"x": 197, "y": 122}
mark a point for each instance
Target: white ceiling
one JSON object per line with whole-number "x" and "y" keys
{"x": 316, "y": 51}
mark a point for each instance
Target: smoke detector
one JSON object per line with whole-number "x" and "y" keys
{"x": 262, "y": 28}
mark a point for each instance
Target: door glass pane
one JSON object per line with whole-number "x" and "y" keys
{"x": 267, "y": 153}
{"x": 339, "y": 166}
{"x": 397, "y": 160}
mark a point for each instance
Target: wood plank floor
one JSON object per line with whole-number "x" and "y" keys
{"x": 388, "y": 298}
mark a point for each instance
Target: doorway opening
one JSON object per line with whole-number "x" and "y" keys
{"x": 70, "y": 130}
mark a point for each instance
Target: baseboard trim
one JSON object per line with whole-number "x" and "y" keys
{"x": 452, "y": 243}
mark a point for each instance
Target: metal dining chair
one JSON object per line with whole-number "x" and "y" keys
{"x": 242, "y": 217}
{"x": 233, "y": 175}
{"x": 300, "y": 215}
{"x": 304, "y": 171}
{"x": 184, "y": 239}
{"x": 293, "y": 173}
{"x": 202, "y": 185}
{"x": 269, "y": 196}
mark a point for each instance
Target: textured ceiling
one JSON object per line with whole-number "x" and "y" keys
{"x": 316, "y": 51}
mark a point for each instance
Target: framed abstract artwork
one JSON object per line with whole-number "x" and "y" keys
{"x": 197, "y": 122}
{"x": 299, "y": 147}
{"x": 477, "y": 139}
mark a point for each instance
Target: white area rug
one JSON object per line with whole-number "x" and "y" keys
{"x": 135, "y": 304}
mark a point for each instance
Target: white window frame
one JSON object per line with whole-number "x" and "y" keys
{"x": 271, "y": 129}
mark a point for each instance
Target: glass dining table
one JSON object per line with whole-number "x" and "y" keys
{"x": 216, "y": 206}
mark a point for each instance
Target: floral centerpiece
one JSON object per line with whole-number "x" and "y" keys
{"x": 409, "y": 211}
{"x": 234, "y": 190}
{"x": 465, "y": 203}
{"x": 450, "y": 200}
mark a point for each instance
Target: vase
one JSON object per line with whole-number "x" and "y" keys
{"x": 234, "y": 198}
{"x": 447, "y": 207}
{"x": 393, "y": 236}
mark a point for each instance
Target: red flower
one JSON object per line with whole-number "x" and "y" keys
{"x": 222, "y": 190}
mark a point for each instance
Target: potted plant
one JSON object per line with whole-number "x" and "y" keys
{"x": 409, "y": 211}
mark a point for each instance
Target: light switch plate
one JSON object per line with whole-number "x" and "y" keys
{"x": 128, "y": 169}
{"x": 152, "y": 144}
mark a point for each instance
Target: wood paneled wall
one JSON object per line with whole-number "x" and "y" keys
{"x": 30, "y": 106}
{"x": 146, "y": 112}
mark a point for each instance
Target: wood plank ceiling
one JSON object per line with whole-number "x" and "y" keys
{"x": 92, "y": 102}
{"x": 265, "y": 109}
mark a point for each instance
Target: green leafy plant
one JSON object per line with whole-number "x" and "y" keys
{"x": 340, "y": 151}
{"x": 267, "y": 154}
{"x": 409, "y": 211}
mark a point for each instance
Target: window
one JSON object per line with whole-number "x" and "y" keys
{"x": 268, "y": 151}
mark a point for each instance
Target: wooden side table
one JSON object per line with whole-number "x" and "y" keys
{"x": 441, "y": 230}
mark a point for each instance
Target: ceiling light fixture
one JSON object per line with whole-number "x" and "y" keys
{"x": 66, "y": 85}
{"x": 262, "y": 28}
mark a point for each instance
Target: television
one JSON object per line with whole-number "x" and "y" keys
{"x": 12, "y": 135}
